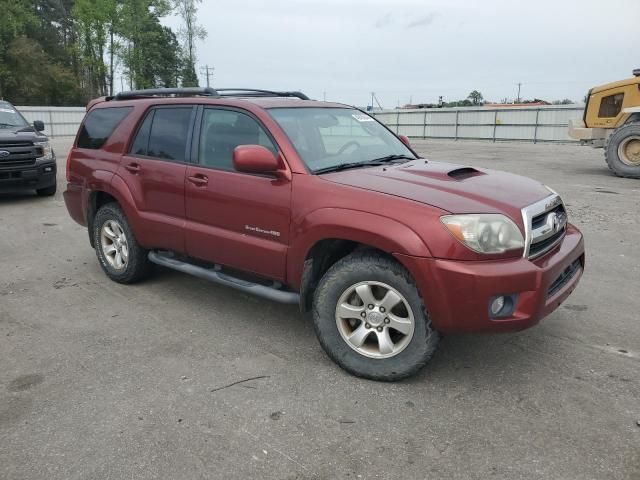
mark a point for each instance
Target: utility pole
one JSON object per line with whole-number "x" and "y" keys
{"x": 208, "y": 72}
{"x": 324, "y": 96}
{"x": 519, "y": 85}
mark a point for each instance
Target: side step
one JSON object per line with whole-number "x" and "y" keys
{"x": 215, "y": 275}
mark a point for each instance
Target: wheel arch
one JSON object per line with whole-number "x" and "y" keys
{"x": 337, "y": 233}
{"x": 116, "y": 191}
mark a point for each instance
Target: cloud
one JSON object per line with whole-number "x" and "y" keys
{"x": 423, "y": 21}
{"x": 384, "y": 21}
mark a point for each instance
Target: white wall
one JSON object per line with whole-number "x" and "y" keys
{"x": 58, "y": 121}
{"x": 534, "y": 124}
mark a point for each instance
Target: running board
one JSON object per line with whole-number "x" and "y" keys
{"x": 216, "y": 276}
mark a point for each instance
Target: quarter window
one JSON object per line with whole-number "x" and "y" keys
{"x": 610, "y": 106}
{"x": 224, "y": 130}
{"x": 99, "y": 125}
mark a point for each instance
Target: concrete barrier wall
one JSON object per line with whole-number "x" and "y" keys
{"x": 534, "y": 124}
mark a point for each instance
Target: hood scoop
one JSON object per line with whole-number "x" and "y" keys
{"x": 463, "y": 173}
{"x": 443, "y": 171}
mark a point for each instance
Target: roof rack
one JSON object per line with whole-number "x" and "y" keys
{"x": 204, "y": 91}
{"x": 252, "y": 92}
{"x": 167, "y": 92}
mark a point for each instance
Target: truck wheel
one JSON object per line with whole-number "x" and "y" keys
{"x": 120, "y": 255}
{"x": 371, "y": 320}
{"x": 47, "y": 192}
{"x": 622, "y": 151}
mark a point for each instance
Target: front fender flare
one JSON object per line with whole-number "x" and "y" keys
{"x": 367, "y": 228}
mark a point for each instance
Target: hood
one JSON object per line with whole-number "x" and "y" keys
{"x": 21, "y": 133}
{"x": 450, "y": 187}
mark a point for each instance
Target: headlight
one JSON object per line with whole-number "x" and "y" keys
{"x": 485, "y": 232}
{"x": 46, "y": 148}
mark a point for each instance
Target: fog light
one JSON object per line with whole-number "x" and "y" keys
{"x": 48, "y": 169}
{"x": 496, "y": 305}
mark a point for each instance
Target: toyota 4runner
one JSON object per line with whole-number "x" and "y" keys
{"x": 320, "y": 205}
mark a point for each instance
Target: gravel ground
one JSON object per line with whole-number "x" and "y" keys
{"x": 100, "y": 380}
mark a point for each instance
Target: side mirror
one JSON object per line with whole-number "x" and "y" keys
{"x": 254, "y": 159}
{"x": 404, "y": 139}
{"x": 38, "y": 125}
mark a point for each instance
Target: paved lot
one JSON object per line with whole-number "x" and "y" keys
{"x": 99, "y": 380}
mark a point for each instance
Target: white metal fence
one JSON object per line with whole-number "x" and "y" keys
{"x": 534, "y": 124}
{"x": 58, "y": 121}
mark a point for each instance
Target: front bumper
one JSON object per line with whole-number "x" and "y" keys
{"x": 33, "y": 177}
{"x": 457, "y": 294}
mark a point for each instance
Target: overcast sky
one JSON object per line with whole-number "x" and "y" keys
{"x": 420, "y": 49}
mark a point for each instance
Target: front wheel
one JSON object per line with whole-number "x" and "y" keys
{"x": 370, "y": 319}
{"x": 622, "y": 151}
{"x": 47, "y": 191}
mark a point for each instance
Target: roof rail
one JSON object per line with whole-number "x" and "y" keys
{"x": 166, "y": 92}
{"x": 252, "y": 92}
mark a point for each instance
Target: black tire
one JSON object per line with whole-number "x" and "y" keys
{"x": 47, "y": 191}
{"x": 615, "y": 163}
{"x": 367, "y": 266}
{"x": 138, "y": 265}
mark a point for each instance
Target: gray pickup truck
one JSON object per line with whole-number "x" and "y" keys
{"x": 27, "y": 161}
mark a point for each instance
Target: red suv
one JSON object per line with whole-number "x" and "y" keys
{"x": 319, "y": 204}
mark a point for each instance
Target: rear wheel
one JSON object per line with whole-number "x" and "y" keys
{"x": 370, "y": 319}
{"x": 622, "y": 151}
{"x": 120, "y": 255}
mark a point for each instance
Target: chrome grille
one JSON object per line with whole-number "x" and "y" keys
{"x": 545, "y": 225}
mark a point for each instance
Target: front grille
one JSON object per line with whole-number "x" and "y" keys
{"x": 540, "y": 220}
{"x": 542, "y": 246}
{"x": 21, "y": 154}
{"x": 545, "y": 224}
{"x": 564, "y": 278}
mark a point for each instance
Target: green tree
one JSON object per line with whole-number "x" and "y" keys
{"x": 476, "y": 97}
{"x": 190, "y": 32}
{"x": 15, "y": 18}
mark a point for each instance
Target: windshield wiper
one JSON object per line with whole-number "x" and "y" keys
{"x": 369, "y": 163}
{"x": 391, "y": 158}
{"x": 4, "y": 125}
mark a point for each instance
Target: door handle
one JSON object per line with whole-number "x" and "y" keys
{"x": 133, "y": 167}
{"x": 199, "y": 180}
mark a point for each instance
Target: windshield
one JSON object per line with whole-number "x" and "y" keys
{"x": 9, "y": 117}
{"x": 333, "y": 137}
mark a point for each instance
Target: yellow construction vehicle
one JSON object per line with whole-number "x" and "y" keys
{"x": 611, "y": 120}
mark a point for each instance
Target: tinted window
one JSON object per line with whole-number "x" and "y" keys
{"x": 141, "y": 142}
{"x": 168, "y": 136}
{"x": 99, "y": 125}
{"x": 224, "y": 130}
{"x": 610, "y": 106}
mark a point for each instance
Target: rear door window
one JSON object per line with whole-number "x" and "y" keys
{"x": 99, "y": 125}
{"x": 163, "y": 134}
